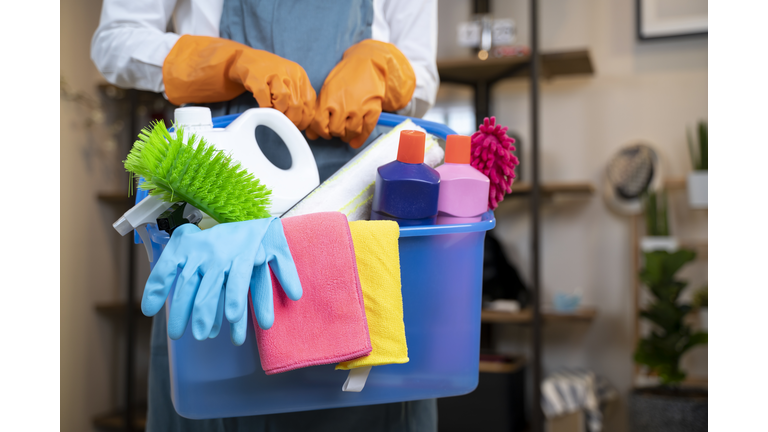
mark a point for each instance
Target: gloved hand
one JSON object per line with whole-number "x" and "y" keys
{"x": 278, "y": 256}
{"x": 202, "y": 69}
{"x": 217, "y": 266}
{"x": 372, "y": 76}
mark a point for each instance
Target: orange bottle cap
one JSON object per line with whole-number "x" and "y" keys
{"x": 458, "y": 149}
{"x": 411, "y": 147}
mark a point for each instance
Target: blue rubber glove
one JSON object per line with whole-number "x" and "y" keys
{"x": 216, "y": 266}
{"x": 277, "y": 254}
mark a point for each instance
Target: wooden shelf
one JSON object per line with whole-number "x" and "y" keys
{"x": 584, "y": 315}
{"x": 525, "y": 316}
{"x": 553, "y": 188}
{"x": 471, "y": 70}
{"x": 502, "y": 367}
{"x": 117, "y": 310}
{"x": 115, "y": 421}
{"x": 675, "y": 183}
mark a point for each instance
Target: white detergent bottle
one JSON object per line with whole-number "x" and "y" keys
{"x": 239, "y": 141}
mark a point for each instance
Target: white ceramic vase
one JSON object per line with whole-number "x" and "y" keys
{"x": 697, "y": 189}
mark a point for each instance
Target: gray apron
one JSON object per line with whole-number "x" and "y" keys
{"x": 314, "y": 34}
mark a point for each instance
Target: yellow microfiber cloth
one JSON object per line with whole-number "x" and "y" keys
{"x": 378, "y": 265}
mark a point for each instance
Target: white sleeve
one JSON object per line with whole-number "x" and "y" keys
{"x": 131, "y": 43}
{"x": 411, "y": 25}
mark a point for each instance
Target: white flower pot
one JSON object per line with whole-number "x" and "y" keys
{"x": 697, "y": 189}
{"x": 703, "y": 318}
{"x": 657, "y": 243}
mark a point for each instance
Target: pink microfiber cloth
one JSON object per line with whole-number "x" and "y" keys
{"x": 328, "y": 324}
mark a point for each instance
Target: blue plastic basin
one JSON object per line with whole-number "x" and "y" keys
{"x": 441, "y": 268}
{"x": 442, "y": 272}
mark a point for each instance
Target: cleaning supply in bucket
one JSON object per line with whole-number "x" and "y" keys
{"x": 238, "y": 140}
{"x": 407, "y": 189}
{"x": 350, "y": 189}
{"x": 177, "y": 216}
{"x": 175, "y": 169}
{"x": 204, "y": 275}
{"x": 328, "y": 325}
{"x": 492, "y": 155}
{"x": 378, "y": 264}
{"x": 463, "y": 189}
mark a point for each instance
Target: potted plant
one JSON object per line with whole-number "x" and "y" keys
{"x": 698, "y": 179}
{"x": 656, "y": 223}
{"x": 668, "y": 406}
{"x": 700, "y": 303}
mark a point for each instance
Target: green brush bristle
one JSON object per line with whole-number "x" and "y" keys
{"x": 174, "y": 169}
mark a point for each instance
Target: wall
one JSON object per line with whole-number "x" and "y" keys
{"x": 640, "y": 91}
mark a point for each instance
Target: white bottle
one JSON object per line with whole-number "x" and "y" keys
{"x": 239, "y": 141}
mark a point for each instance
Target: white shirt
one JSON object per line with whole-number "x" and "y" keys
{"x": 131, "y": 43}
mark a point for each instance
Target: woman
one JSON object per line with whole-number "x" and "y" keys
{"x": 330, "y": 66}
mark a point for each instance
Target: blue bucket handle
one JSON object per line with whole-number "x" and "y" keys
{"x": 385, "y": 119}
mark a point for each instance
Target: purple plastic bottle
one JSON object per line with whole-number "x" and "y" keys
{"x": 407, "y": 189}
{"x": 463, "y": 189}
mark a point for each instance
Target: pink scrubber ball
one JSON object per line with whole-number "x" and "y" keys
{"x": 492, "y": 155}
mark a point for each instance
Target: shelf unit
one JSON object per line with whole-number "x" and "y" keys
{"x": 122, "y": 419}
{"x": 137, "y": 107}
{"x": 482, "y": 75}
{"x": 471, "y": 70}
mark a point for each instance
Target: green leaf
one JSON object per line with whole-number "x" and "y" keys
{"x": 655, "y": 206}
{"x": 661, "y": 266}
{"x": 651, "y": 213}
{"x": 699, "y": 338}
{"x": 670, "y": 375}
{"x": 700, "y": 297}
{"x": 666, "y": 315}
{"x": 695, "y": 163}
{"x": 662, "y": 215}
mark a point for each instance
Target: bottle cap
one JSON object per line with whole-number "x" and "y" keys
{"x": 411, "y": 147}
{"x": 193, "y": 117}
{"x": 458, "y": 149}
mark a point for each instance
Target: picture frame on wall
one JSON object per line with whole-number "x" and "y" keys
{"x": 662, "y": 19}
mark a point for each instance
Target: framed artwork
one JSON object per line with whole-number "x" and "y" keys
{"x": 658, "y": 19}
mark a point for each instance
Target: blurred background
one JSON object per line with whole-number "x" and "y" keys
{"x": 609, "y": 81}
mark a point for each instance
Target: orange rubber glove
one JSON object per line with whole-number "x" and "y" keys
{"x": 372, "y": 76}
{"x": 202, "y": 69}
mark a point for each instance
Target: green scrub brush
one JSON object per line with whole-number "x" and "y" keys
{"x": 175, "y": 169}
